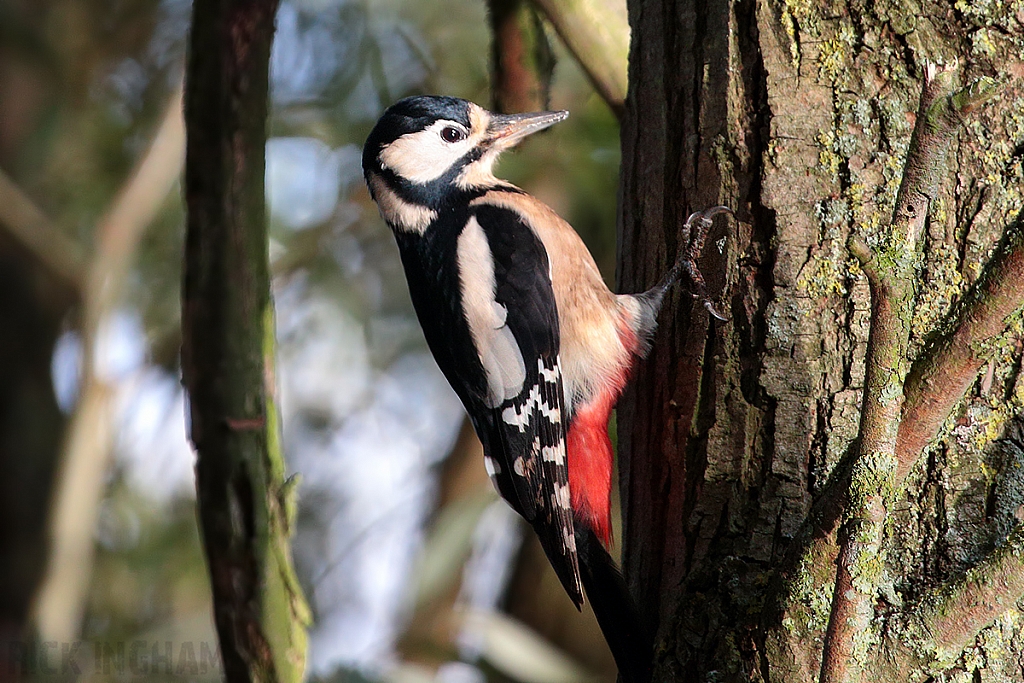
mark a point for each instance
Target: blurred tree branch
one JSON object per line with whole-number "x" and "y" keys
{"x": 521, "y": 59}
{"x": 245, "y": 505}
{"x": 463, "y": 492}
{"x": 89, "y": 438}
{"x": 596, "y": 32}
{"x": 26, "y": 223}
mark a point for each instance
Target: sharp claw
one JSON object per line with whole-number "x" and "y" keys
{"x": 696, "y": 215}
{"x": 693, "y": 238}
{"x": 708, "y": 214}
{"x": 705, "y": 218}
{"x": 714, "y": 313}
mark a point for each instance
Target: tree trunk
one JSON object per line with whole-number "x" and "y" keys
{"x": 246, "y": 508}
{"x": 32, "y": 302}
{"x": 799, "y": 116}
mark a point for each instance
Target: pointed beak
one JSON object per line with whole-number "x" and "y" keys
{"x": 506, "y": 130}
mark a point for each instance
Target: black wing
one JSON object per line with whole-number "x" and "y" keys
{"x": 526, "y": 432}
{"x": 497, "y": 343}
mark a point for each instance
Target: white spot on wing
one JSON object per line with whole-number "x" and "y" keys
{"x": 560, "y": 498}
{"x": 492, "y": 466}
{"x": 519, "y": 466}
{"x": 494, "y": 342}
{"x": 548, "y": 375}
{"x": 555, "y": 454}
{"x": 568, "y": 539}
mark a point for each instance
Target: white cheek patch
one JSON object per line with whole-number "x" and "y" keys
{"x": 423, "y": 156}
{"x": 400, "y": 214}
{"x": 495, "y": 344}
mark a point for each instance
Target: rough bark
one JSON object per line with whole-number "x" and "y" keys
{"x": 682, "y": 474}
{"x": 798, "y": 115}
{"x": 245, "y": 504}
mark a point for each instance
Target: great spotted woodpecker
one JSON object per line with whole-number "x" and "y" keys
{"x": 520, "y": 322}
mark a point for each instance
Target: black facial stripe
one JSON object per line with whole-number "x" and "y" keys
{"x": 443, "y": 190}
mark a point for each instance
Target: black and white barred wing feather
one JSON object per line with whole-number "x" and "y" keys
{"x": 533, "y": 436}
{"x": 517, "y": 338}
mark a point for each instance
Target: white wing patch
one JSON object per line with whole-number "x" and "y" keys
{"x": 561, "y": 497}
{"x": 532, "y": 423}
{"x": 546, "y": 374}
{"x": 495, "y": 344}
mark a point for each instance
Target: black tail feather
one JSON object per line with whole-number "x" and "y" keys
{"x": 552, "y": 545}
{"x": 617, "y": 614}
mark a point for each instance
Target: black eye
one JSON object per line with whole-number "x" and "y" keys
{"x": 452, "y": 134}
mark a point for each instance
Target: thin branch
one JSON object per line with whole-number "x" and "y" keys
{"x": 596, "y": 32}
{"x": 947, "y": 368}
{"x": 892, "y": 275}
{"x": 27, "y": 223}
{"x": 136, "y": 206}
{"x": 867, "y": 259}
{"x": 89, "y": 439}
{"x": 936, "y": 382}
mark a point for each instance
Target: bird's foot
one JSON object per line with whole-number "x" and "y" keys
{"x": 692, "y": 238}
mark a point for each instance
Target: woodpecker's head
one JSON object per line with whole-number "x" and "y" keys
{"x": 426, "y": 151}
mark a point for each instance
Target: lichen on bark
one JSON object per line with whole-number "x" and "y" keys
{"x": 801, "y": 119}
